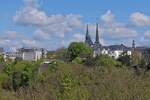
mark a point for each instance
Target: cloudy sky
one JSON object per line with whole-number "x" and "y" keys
{"x": 55, "y": 23}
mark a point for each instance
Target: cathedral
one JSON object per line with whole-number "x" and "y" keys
{"x": 96, "y": 46}
{"x": 114, "y": 50}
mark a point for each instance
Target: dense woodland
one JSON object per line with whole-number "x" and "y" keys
{"x": 74, "y": 74}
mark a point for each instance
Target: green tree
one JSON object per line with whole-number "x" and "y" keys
{"x": 8, "y": 69}
{"x": 1, "y": 58}
{"x": 61, "y": 53}
{"x": 22, "y": 74}
{"x": 124, "y": 59}
{"x": 78, "y": 49}
{"x": 136, "y": 58}
{"x": 77, "y": 60}
{"x": 105, "y": 60}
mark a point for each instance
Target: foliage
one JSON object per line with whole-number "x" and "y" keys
{"x": 1, "y": 58}
{"x": 77, "y": 60}
{"x": 143, "y": 63}
{"x": 105, "y": 60}
{"x": 95, "y": 79}
{"x": 19, "y": 74}
{"x": 135, "y": 58}
{"x": 77, "y": 49}
{"x": 8, "y": 68}
{"x": 124, "y": 59}
{"x": 59, "y": 54}
{"x": 53, "y": 66}
{"x": 90, "y": 61}
{"x": 67, "y": 83}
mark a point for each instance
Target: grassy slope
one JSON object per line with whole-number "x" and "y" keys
{"x": 78, "y": 82}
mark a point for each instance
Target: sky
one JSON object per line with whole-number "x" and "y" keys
{"x": 53, "y": 24}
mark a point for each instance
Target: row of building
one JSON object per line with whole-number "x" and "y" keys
{"x": 35, "y": 54}
{"x": 28, "y": 54}
{"x": 113, "y": 50}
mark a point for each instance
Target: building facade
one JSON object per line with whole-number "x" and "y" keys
{"x": 114, "y": 50}
{"x": 27, "y": 54}
{"x": 32, "y": 54}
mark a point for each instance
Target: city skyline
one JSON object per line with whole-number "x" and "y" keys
{"x": 52, "y": 24}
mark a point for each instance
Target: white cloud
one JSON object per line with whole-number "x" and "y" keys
{"x": 29, "y": 42}
{"x": 40, "y": 35}
{"x": 78, "y": 37}
{"x": 30, "y": 3}
{"x": 30, "y": 16}
{"x": 56, "y": 25}
{"x": 108, "y": 17}
{"x": 120, "y": 32}
{"x": 140, "y": 19}
{"x": 10, "y": 34}
{"x": 111, "y": 28}
{"x": 49, "y": 29}
{"x": 147, "y": 34}
{"x": 13, "y": 39}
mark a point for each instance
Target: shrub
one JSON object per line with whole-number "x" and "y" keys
{"x": 77, "y": 60}
{"x": 77, "y": 49}
{"x": 105, "y": 60}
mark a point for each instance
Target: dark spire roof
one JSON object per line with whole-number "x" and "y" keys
{"x": 97, "y": 35}
{"x": 88, "y": 40}
{"x": 133, "y": 44}
{"x": 87, "y": 32}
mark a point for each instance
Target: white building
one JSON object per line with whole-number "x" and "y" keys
{"x": 117, "y": 53}
{"x": 11, "y": 55}
{"x": 32, "y": 54}
{"x": 28, "y": 54}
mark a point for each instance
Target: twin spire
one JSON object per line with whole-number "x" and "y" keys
{"x": 89, "y": 42}
{"x": 88, "y": 38}
{"x": 97, "y": 35}
{"x": 133, "y": 44}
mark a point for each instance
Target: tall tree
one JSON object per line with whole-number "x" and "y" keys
{"x": 78, "y": 49}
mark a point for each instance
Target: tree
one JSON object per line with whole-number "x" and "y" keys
{"x": 105, "y": 60}
{"x": 60, "y": 53}
{"x": 1, "y": 58}
{"x": 135, "y": 58}
{"x": 124, "y": 59}
{"x": 78, "y": 49}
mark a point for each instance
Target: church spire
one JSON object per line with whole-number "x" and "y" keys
{"x": 87, "y": 32}
{"x": 97, "y": 35}
{"x": 133, "y": 44}
{"x": 88, "y": 40}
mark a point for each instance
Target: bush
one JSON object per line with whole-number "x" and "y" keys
{"x": 77, "y": 60}
{"x": 77, "y": 49}
{"x": 67, "y": 81}
{"x": 125, "y": 60}
{"x": 105, "y": 60}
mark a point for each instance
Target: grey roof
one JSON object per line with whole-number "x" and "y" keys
{"x": 31, "y": 49}
{"x": 117, "y": 47}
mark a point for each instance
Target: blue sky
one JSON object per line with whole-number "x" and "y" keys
{"x": 53, "y": 23}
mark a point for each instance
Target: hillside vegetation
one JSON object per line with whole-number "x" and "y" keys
{"x": 74, "y": 78}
